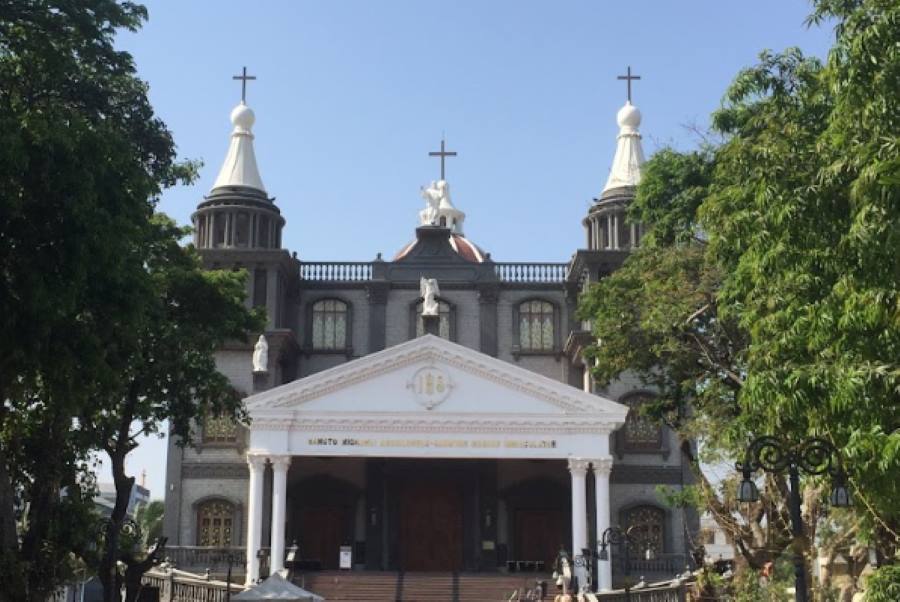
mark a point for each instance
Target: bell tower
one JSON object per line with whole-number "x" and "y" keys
{"x": 238, "y": 226}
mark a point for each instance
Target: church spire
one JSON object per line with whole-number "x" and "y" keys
{"x": 239, "y": 168}
{"x": 626, "y": 166}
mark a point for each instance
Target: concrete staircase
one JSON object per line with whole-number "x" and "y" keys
{"x": 418, "y": 587}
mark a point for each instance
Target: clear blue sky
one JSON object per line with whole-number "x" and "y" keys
{"x": 352, "y": 95}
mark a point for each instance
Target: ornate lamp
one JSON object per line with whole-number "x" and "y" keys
{"x": 840, "y": 497}
{"x": 747, "y": 490}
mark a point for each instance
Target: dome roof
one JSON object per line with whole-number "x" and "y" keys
{"x": 459, "y": 243}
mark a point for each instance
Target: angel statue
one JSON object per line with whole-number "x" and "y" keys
{"x": 432, "y": 195}
{"x": 428, "y": 288}
{"x": 261, "y": 355}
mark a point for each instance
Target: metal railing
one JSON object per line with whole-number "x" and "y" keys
{"x": 531, "y": 272}
{"x": 338, "y": 271}
{"x": 672, "y": 593}
{"x": 661, "y": 564}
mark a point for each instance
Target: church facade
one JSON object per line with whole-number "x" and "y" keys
{"x": 470, "y": 440}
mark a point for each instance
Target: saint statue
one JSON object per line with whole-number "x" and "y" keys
{"x": 432, "y": 195}
{"x": 261, "y": 355}
{"x": 428, "y": 288}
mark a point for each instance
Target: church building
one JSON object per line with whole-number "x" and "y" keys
{"x": 429, "y": 411}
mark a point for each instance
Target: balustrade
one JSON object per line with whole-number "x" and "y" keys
{"x": 531, "y": 272}
{"x": 338, "y": 271}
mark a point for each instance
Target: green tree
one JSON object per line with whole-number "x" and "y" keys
{"x": 149, "y": 518}
{"x": 804, "y": 222}
{"x": 82, "y": 158}
{"x": 657, "y": 318}
{"x": 166, "y": 371}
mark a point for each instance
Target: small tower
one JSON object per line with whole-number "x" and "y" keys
{"x": 237, "y": 213}
{"x": 238, "y": 226}
{"x": 606, "y": 225}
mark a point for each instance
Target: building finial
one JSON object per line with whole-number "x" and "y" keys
{"x": 443, "y": 154}
{"x": 244, "y": 78}
{"x": 239, "y": 167}
{"x": 628, "y": 78}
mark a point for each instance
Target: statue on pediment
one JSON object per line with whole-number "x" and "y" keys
{"x": 428, "y": 288}
{"x": 433, "y": 195}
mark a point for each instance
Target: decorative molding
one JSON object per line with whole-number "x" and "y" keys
{"x": 578, "y": 466}
{"x": 646, "y": 475}
{"x": 431, "y": 349}
{"x": 215, "y": 470}
{"x": 256, "y": 460}
{"x": 400, "y": 423}
{"x": 280, "y": 462}
{"x": 602, "y": 466}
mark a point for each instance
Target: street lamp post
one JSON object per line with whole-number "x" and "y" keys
{"x": 812, "y": 456}
{"x": 616, "y": 536}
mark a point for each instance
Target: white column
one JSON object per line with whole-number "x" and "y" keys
{"x": 602, "y": 468}
{"x": 257, "y": 464}
{"x": 280, "y": 466}
{"x": 578, "y": 469}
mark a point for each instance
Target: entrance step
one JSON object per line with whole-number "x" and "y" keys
{"x": 365, "y": 586}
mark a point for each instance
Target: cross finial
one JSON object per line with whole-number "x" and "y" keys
{"x": 244, "y": 78}
{"x": 442, "y": 154}
{"x": 629, "y": 77}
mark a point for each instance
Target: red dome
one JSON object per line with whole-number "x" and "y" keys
{"x": 462, "y": 245}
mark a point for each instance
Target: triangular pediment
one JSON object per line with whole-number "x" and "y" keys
{"x": 429, "y": 376}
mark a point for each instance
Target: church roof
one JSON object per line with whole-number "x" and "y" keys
{"x": 463, "y": 247}
{"x": 239, "y": 167}
{"x": 626, "y": 166}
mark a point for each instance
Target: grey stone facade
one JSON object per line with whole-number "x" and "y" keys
{"x": 380, "y": 297}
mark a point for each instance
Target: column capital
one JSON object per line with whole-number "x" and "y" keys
{"x": 281, "y": 462}
{"x": 602, "y": 466}
{"x": 578, "y": 466}
{"x": 256, "y": 461}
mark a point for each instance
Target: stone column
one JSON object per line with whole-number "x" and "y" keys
{"x": 257, "y": 464}
{"x": 602, "y": 468}
{"x": 578, "y": 469}
{"x": 280, "y": 466}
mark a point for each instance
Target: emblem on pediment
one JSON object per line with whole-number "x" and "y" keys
{"x": 430, "y": 386}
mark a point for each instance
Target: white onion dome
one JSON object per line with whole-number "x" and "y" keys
{"x": 243, "y": 117}
{"x": 629, "y": 116}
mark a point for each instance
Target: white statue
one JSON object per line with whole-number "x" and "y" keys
{"x": 432, "y": 195}
{"x": 428, "y": 288}
{"x": 261, "y": 355}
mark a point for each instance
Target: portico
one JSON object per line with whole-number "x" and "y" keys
{"x": 434, "y": 416}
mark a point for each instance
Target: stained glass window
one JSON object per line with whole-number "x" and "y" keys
{"x": 444, "y": 324}
{"x": 646, "y": 525}
{"x": 219, "y": 429}
{"x": 536, "y": 323}
{"x": 215, "y": 521}
{"x": 329, "y": 324}
{"x": 641, "y": 432}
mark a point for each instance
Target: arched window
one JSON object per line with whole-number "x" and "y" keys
{"x": 329, "y": 324}
{"x": 215, "y": 524}
{"x": 641, "y": 432}
{"x": 537, "y": 325}
{"x": 646, "y": 524}
{"x": 219, "y": 430}
{"x": 444, "y": 313}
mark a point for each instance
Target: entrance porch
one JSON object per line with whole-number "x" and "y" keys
{"x": 428, "y": 456}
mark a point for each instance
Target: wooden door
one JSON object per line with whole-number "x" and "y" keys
{"x": 431, "y": 527}
{"x": 539, "y": 534}
{"x": 321, "y": 535}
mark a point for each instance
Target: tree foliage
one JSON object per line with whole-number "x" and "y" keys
{"x": 97, "y": 299}
{"x": 804, "y": 220}
{"x": 766, "y": 296}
